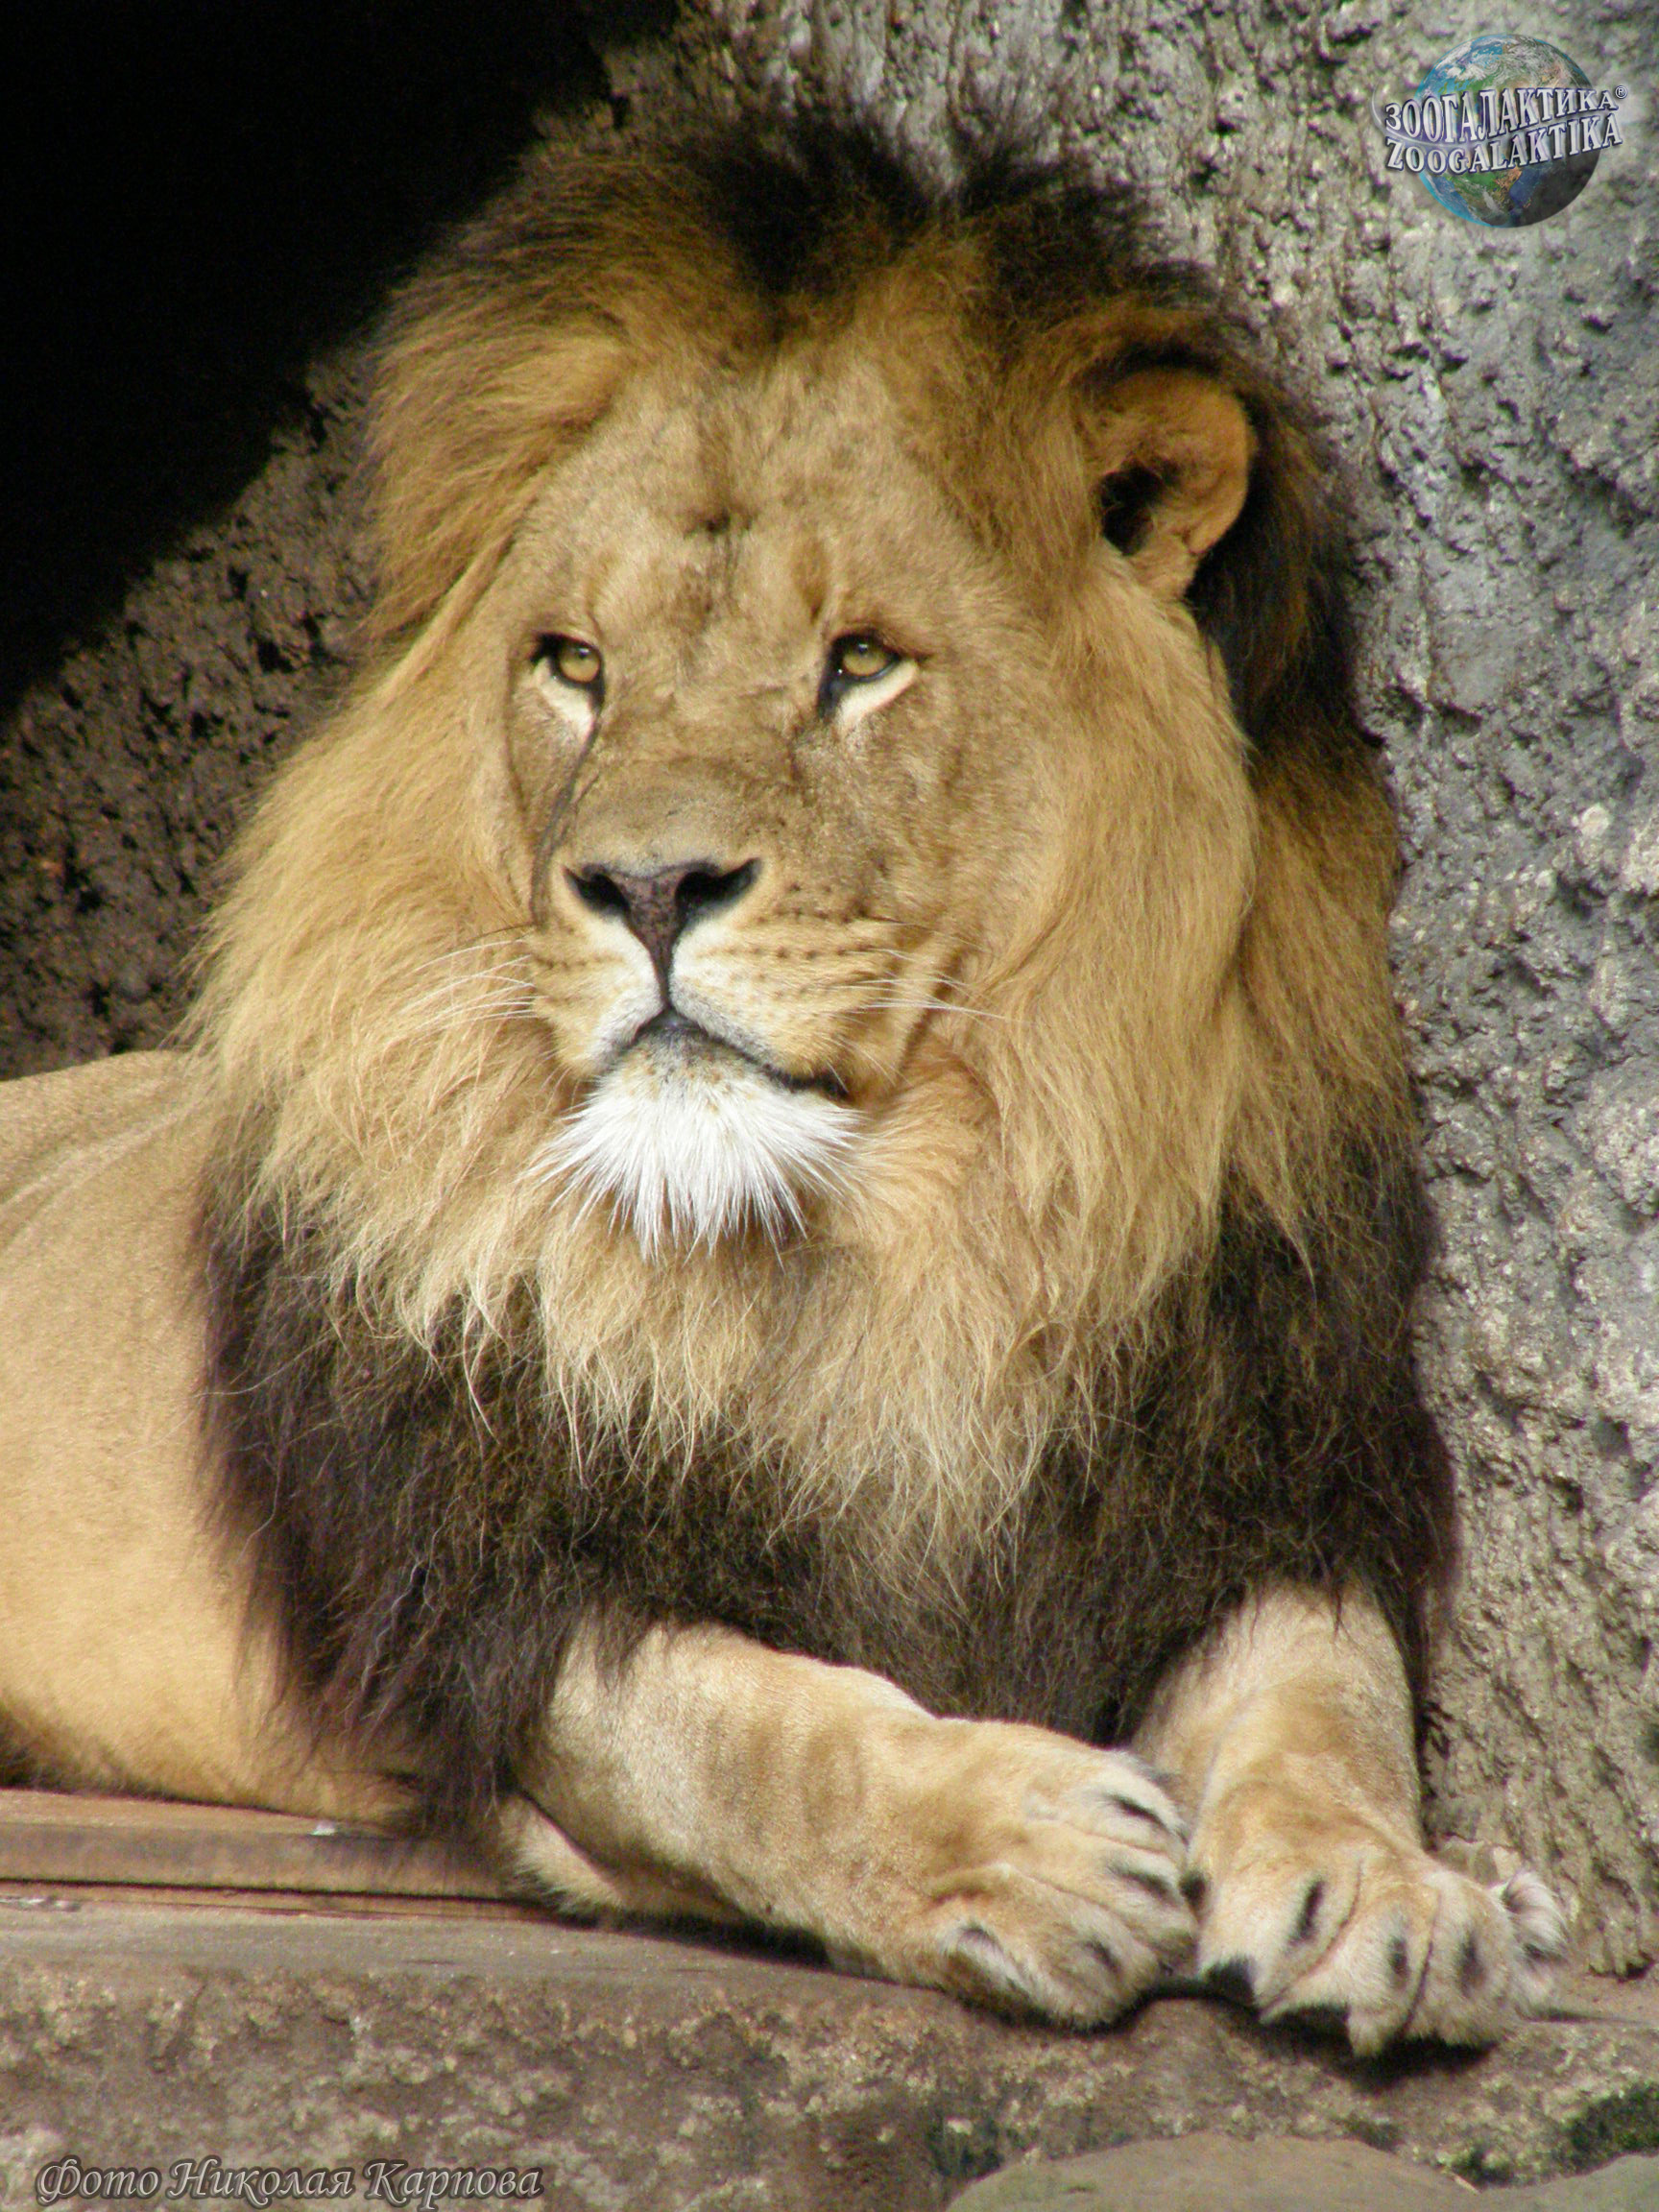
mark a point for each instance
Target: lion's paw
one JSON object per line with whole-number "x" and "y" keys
{"x": 1346, "y": 1926}
{"x": 1043, "y": 1877}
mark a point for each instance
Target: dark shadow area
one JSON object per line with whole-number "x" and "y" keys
{"x": 200, "y": 195}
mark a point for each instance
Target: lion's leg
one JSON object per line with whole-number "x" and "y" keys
{"x": 709, "y": 1773}
{"x": 1289, "y": 1737}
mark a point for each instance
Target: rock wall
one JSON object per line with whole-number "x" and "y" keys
{"x": 1497, "y": 396}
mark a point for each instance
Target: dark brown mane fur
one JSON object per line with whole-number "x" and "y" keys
{"x": 430, "y": 1526}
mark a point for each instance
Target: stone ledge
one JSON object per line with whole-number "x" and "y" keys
{"x": 1273, "y": 2174}
{"x": 646, "y": 2075}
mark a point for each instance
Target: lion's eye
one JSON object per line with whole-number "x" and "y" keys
{"x": 573, "y": 661}
{"x": 860, "y": 659}
{"x": 857, "y": 659}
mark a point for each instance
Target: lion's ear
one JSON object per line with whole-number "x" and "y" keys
{"x": 1172, "y": 450}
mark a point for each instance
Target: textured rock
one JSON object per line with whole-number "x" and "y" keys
{"x": 123, "y": 779}
{"x": 1497, "y": 396}
{"x": 647, "y": 2076}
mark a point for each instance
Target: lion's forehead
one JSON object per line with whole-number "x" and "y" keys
{"x": 772, "y": 493}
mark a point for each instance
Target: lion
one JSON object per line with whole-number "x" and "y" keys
{"x": 774, "y": 1275}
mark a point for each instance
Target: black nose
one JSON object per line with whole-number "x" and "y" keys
{"x": 659, "y": 908}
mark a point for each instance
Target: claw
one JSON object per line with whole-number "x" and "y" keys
{"x": 1234, "y": 1980}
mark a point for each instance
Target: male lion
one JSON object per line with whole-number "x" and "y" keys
{"x": 790, "y": 1203}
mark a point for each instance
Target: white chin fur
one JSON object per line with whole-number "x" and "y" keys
{"x": 689, "y": 1146}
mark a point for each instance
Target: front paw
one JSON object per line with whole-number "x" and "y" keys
{"x": 1025, "y": 1871}
{"x": 1334, "y": 1920}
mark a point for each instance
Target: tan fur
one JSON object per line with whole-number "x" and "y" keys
{"x": 1066, "y": 971}
{"x": 125, "y": 1659}
{"x": 1003, "y": 1863}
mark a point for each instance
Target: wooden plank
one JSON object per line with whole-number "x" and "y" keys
{"x": 52, "y": 1838}
{"x": 46, "y": 1899}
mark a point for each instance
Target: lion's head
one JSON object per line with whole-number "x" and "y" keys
{"x": 851, "y": 848}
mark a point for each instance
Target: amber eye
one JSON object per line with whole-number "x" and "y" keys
{"x": 859, "y": 658}
{"x": 573, "y": 661}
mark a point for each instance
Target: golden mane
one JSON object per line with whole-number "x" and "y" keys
{"x": 1163, "y": 1123}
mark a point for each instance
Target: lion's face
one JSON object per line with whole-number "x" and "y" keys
{"x": 757, "y": 670}
{"x": 803, "y": 770}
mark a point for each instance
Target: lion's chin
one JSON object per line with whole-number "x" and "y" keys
{"x": 688, "y": 1142}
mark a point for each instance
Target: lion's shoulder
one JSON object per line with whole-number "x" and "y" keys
{"x": 79, "y": 1121}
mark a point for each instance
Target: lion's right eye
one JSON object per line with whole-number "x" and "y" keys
{"x": 861, "y": 659}
{"x": 571, "y": 660}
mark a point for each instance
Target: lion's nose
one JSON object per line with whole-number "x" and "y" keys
{"x": 659, "y": 908}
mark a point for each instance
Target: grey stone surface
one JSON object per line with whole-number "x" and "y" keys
{"x": 1496, "y": 398}
{"x": 1206, "y": 2172}
{"x": 642, "y": 2075}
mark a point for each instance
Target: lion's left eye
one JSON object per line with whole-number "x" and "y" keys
{"x": 859, "y": 658}
{"x": 572, "y": 661}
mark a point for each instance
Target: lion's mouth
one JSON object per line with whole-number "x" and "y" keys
{"x": 676, "y": 1036}
{"x": 689, "y": 1136}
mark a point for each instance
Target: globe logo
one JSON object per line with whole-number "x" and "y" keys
{"x": 1504, "y": 132}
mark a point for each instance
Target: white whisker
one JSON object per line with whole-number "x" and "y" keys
{"x": 926, "y": 1005}
{"x": 469, "y": 950}
{"x": 498, "y": 992}
{"x": 431, "y": 1018}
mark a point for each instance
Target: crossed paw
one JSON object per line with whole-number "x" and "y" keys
{"x": 1329, "y": 1918}
{"x": 1029, "y": 1872}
